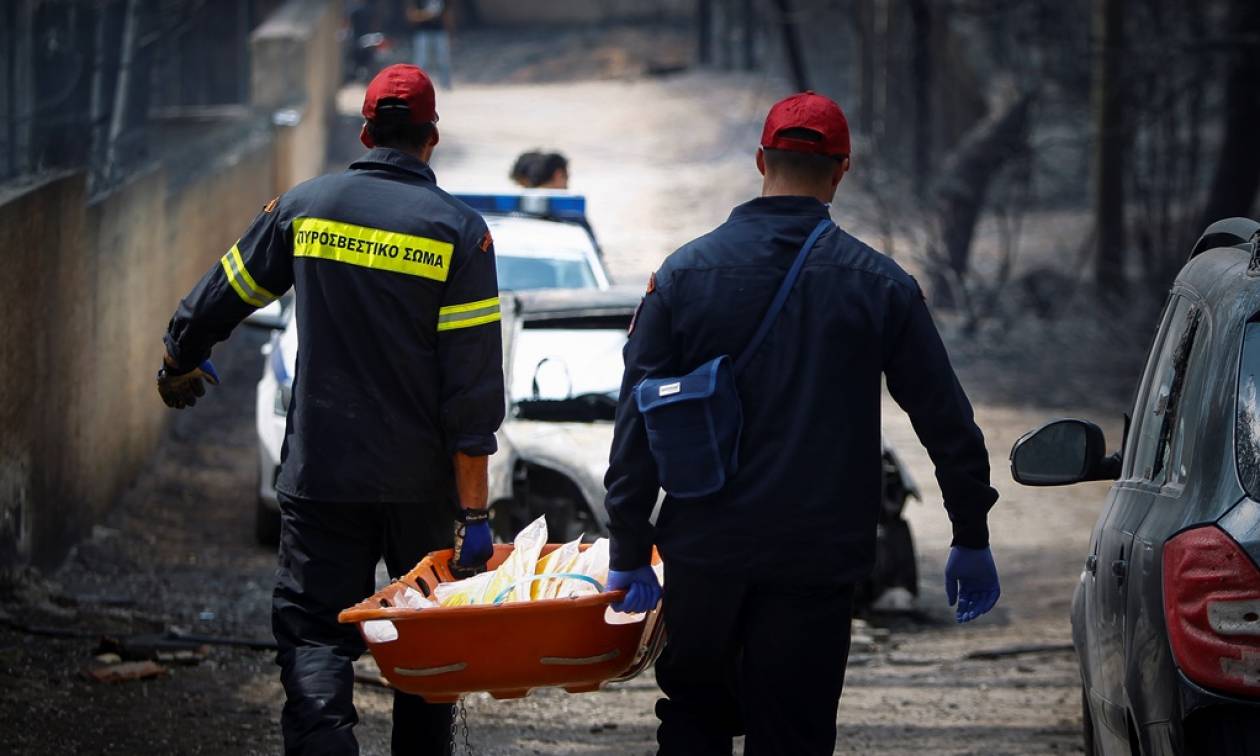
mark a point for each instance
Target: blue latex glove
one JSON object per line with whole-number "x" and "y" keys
{"x": 642, "y": 589}
{"x": 212, "y": 375}
{"x": 971, "y": 579}
{"x": 474, "y": 544}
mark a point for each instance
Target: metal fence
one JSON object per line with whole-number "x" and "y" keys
{"x": 82, "y": 82}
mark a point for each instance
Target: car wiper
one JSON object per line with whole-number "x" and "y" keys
{"x": 583, "y": 408}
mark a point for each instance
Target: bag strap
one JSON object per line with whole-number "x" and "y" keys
{"x": 780, "y": 298}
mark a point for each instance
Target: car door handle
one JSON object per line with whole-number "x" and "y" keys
{"x": 1119, "y": 569}
{"x": 1091, "y": 564}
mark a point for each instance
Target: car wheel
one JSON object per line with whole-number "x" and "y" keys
{"x": 895, "y": 564}
{"x": 266, "y": 524}
{"x": 1222, "y": 730}
{"x": 504, "y": 520}
{"x": 1087, "y": 724}
{"x": 567, "y": 519}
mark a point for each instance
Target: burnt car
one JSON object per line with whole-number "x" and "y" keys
{"x": 563, "y": 369}
{"x": 1166, "y": 616}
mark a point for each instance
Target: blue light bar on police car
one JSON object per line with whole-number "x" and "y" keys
{"x": 543, "y": 204}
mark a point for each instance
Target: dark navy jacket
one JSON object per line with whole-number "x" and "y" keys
{"x": 400, "y": 359}
{"x": 806, "y": 498}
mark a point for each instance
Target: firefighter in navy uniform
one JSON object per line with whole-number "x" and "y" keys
{"x": 760, "y": 575}
{"x": 397, "y": 394}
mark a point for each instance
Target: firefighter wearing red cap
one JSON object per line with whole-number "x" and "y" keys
{"x": 396, "y": 398}
{"x": 760, "y": 573}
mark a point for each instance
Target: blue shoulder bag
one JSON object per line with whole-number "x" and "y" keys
{"x": 694, "y": 421}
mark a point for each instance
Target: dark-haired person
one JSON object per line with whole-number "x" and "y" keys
{"x": 431, "y": 25}
{"x": 760, "y": 574}
{"x": 397, "y": 395}
{"x": 541, "y": 170}
{"x": 523, "y": 168}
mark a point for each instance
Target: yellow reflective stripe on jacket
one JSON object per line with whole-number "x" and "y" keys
{"x": 373, "y": 248}
{"x": 242, "y": 282}
{"x": 468, "y": 314}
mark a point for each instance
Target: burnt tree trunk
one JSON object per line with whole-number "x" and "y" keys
{"x": 704, "y": 32}
{"x": 1109, "y": 145}
{"x": 864, "y": 22}
{"x": 921, "y": 84}
{"x": 747, "y": 35}
{"x": 959, "y": 191}
{"x": 792, "y": 45}
{"x": 1237, "y": 175}
{"x": 24, "y": 95}
{"x": 469, "y": 14}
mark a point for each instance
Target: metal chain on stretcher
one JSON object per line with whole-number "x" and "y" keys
{"x": 459, "y": 729}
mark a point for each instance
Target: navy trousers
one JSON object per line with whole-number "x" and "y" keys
{"x": 327, "y": 562}
{"x": 750, "y": 658}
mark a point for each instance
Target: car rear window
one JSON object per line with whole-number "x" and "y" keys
{"x": 1247, "y": 424}
{"x": 525, "y": 273}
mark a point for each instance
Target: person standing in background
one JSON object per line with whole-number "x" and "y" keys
{"x": 541, "y": 170}
{"x": 431, "y": 25}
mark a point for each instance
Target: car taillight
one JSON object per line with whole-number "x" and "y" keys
{"x": 1212, "y": 606}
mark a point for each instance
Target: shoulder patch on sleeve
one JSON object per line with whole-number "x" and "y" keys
{"x": 487, "y": 241}
{"x": 635, "y": 318}
{"x": 271, "y": 206}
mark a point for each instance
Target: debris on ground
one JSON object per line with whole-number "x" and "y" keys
{"x": 864, "y": 638}
{"x": 366, "y": 672}
{"x": 986, "y": 654}
{"x": 126, "y": 671}
{"x": 153, "y": 647}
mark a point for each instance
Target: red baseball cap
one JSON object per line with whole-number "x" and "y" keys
{"x": 807, "y": 110}
{"x": 405, "y": 83}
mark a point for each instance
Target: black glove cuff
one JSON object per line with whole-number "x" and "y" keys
{"x": 463, "y": 573}
{"x": 166, "y": 371}
{"x": 473, "y": 516}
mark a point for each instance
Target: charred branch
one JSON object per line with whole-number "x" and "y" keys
{"x": 1110, "y": 145}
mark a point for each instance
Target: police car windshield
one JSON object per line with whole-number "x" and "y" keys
{"x": 562, "y": 363}
{"x": 524, "y": 273}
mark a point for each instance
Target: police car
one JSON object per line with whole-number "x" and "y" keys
{"x": 542, "y": 240}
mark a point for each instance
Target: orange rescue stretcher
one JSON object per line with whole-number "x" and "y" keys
{"x": 443, "y": 653}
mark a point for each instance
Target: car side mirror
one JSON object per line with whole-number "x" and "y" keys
{"x": 273, "y": 316}
{"x": 1060, "y": 453}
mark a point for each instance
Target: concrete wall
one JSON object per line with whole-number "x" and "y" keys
{"x": 87, "y": 291}
{"x": 41, "y": 230}
{"x": 88, "y": 287}
{"x": 531, "y": 12}
{"x": 296, "y": 74}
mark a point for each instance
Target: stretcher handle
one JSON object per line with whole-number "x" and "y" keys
{"x": 599, "y": 588}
